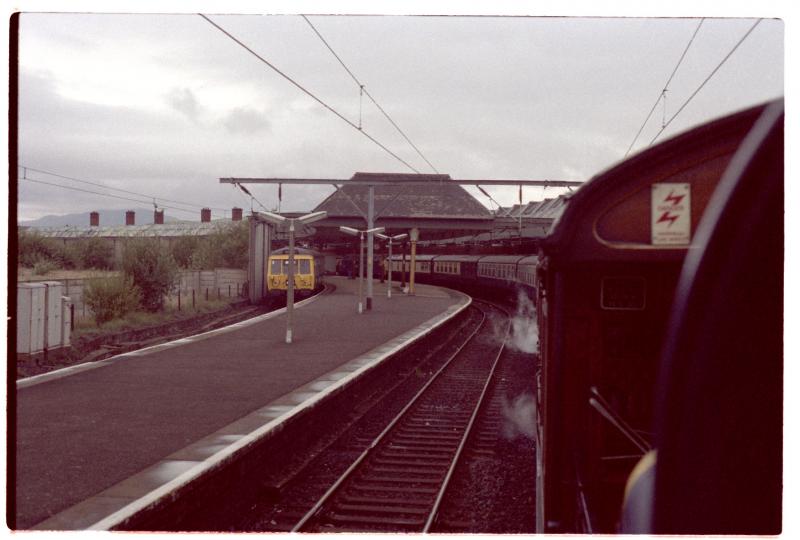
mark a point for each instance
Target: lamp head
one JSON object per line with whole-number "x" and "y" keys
{"x": 275, "y": 219}
{"x": 349, "y": 230}
{"x": 312, "y": 217}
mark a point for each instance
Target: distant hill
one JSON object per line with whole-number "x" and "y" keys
{"x": 144, "y": 216}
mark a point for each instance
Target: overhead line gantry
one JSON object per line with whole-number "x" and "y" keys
{"x": 372, "y": 180}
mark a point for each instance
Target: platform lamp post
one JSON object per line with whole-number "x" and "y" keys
{"x": 291, "y": 225}
{"x": 355, "y": 232}
{"x": 390, "y": 240}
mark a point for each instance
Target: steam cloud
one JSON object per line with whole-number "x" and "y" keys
{"x": 524, "y": 332}
{"x": 520, "y": 417}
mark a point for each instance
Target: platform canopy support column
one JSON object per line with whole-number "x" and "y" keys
{"x": 259, "y": 246}
{"x": 414, "y": 237}
{"x": 370, "y": 244}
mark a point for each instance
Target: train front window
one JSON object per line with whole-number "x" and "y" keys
{"x": 305, "y": 266}
{"x": 275, "y": 267}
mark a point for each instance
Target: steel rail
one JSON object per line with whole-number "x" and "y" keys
{"x": 467, "y": 431}
{"x": 347, "y": 473}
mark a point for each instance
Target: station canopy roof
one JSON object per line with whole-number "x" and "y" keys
{"x": 400, "y": 205}
{"x": 439, "y": 200}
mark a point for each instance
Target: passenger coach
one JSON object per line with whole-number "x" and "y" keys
{"x": 499, "y": 276}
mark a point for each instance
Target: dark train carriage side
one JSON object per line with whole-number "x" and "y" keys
{"x": 717, "y": 463}
{"x": 349, "y": 266}
{"x": 458, "y": 271}
{"x": 498, "y": 273}
{"x": 607, "y": 276}
{"x": 422, "y": 263}
{"x": 526, "y": 272}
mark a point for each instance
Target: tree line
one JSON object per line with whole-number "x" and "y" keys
{"x": 148, "y": 268}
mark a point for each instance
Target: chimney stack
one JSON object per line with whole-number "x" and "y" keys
{"x": 205, "y": 215}
{"x": 130, "y": 217}
{"x": 236, "y": 214}
{"x": 158, "y": 217}
{"x": 94, "y": 219}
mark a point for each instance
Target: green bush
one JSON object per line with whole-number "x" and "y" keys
{"x": 34, "y": 248}
{"x": 226, "y": 248}
{"x": 152, "y": 269}
{"x": 111, "y": 298}
{"x": 43, "y": 267}
{"x": 95, "y": 253}
{"x": 183, "y": 249}
{"x": 67, "y": 256}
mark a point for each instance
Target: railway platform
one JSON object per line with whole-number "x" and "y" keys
{"x": 98, "y": 442}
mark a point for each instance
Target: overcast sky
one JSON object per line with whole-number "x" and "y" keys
{"x": 165, "y": 105}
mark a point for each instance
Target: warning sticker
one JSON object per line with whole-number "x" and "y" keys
{"x": 671, "y": 214}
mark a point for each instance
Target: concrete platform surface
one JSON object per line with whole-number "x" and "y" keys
{"x": 95, "y": 441}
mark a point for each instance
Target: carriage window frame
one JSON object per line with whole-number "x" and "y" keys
{"x": 609, "y": 304}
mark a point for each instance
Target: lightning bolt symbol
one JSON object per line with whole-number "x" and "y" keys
{"x": 674, "y": 199}
{"x": 667, "y": 217}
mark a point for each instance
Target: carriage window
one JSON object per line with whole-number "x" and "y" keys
{"x": 626, "y": 293}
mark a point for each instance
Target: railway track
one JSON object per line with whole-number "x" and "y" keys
{"x": 398, "y": 483}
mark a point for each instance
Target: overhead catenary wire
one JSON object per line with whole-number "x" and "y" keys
{"x": 308, "y": 93}
{"x": 662, "y": 94}
{"x": 364, "y": 91}
{"x": 105, "y": 194}
{"x": 252, "y": 197}
{"x": 685, "y": 103}
{"x": 490, "y": 197}
{"x": 153, "y": 198}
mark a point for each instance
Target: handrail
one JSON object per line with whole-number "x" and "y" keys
{"x": 583, "y": 506}
{"x": 601, "y": 405}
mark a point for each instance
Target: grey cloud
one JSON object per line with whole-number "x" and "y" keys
{"x": 246, "y": 120}
{"x": 481, "y": 97}
{"x": 184, "y": 101}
